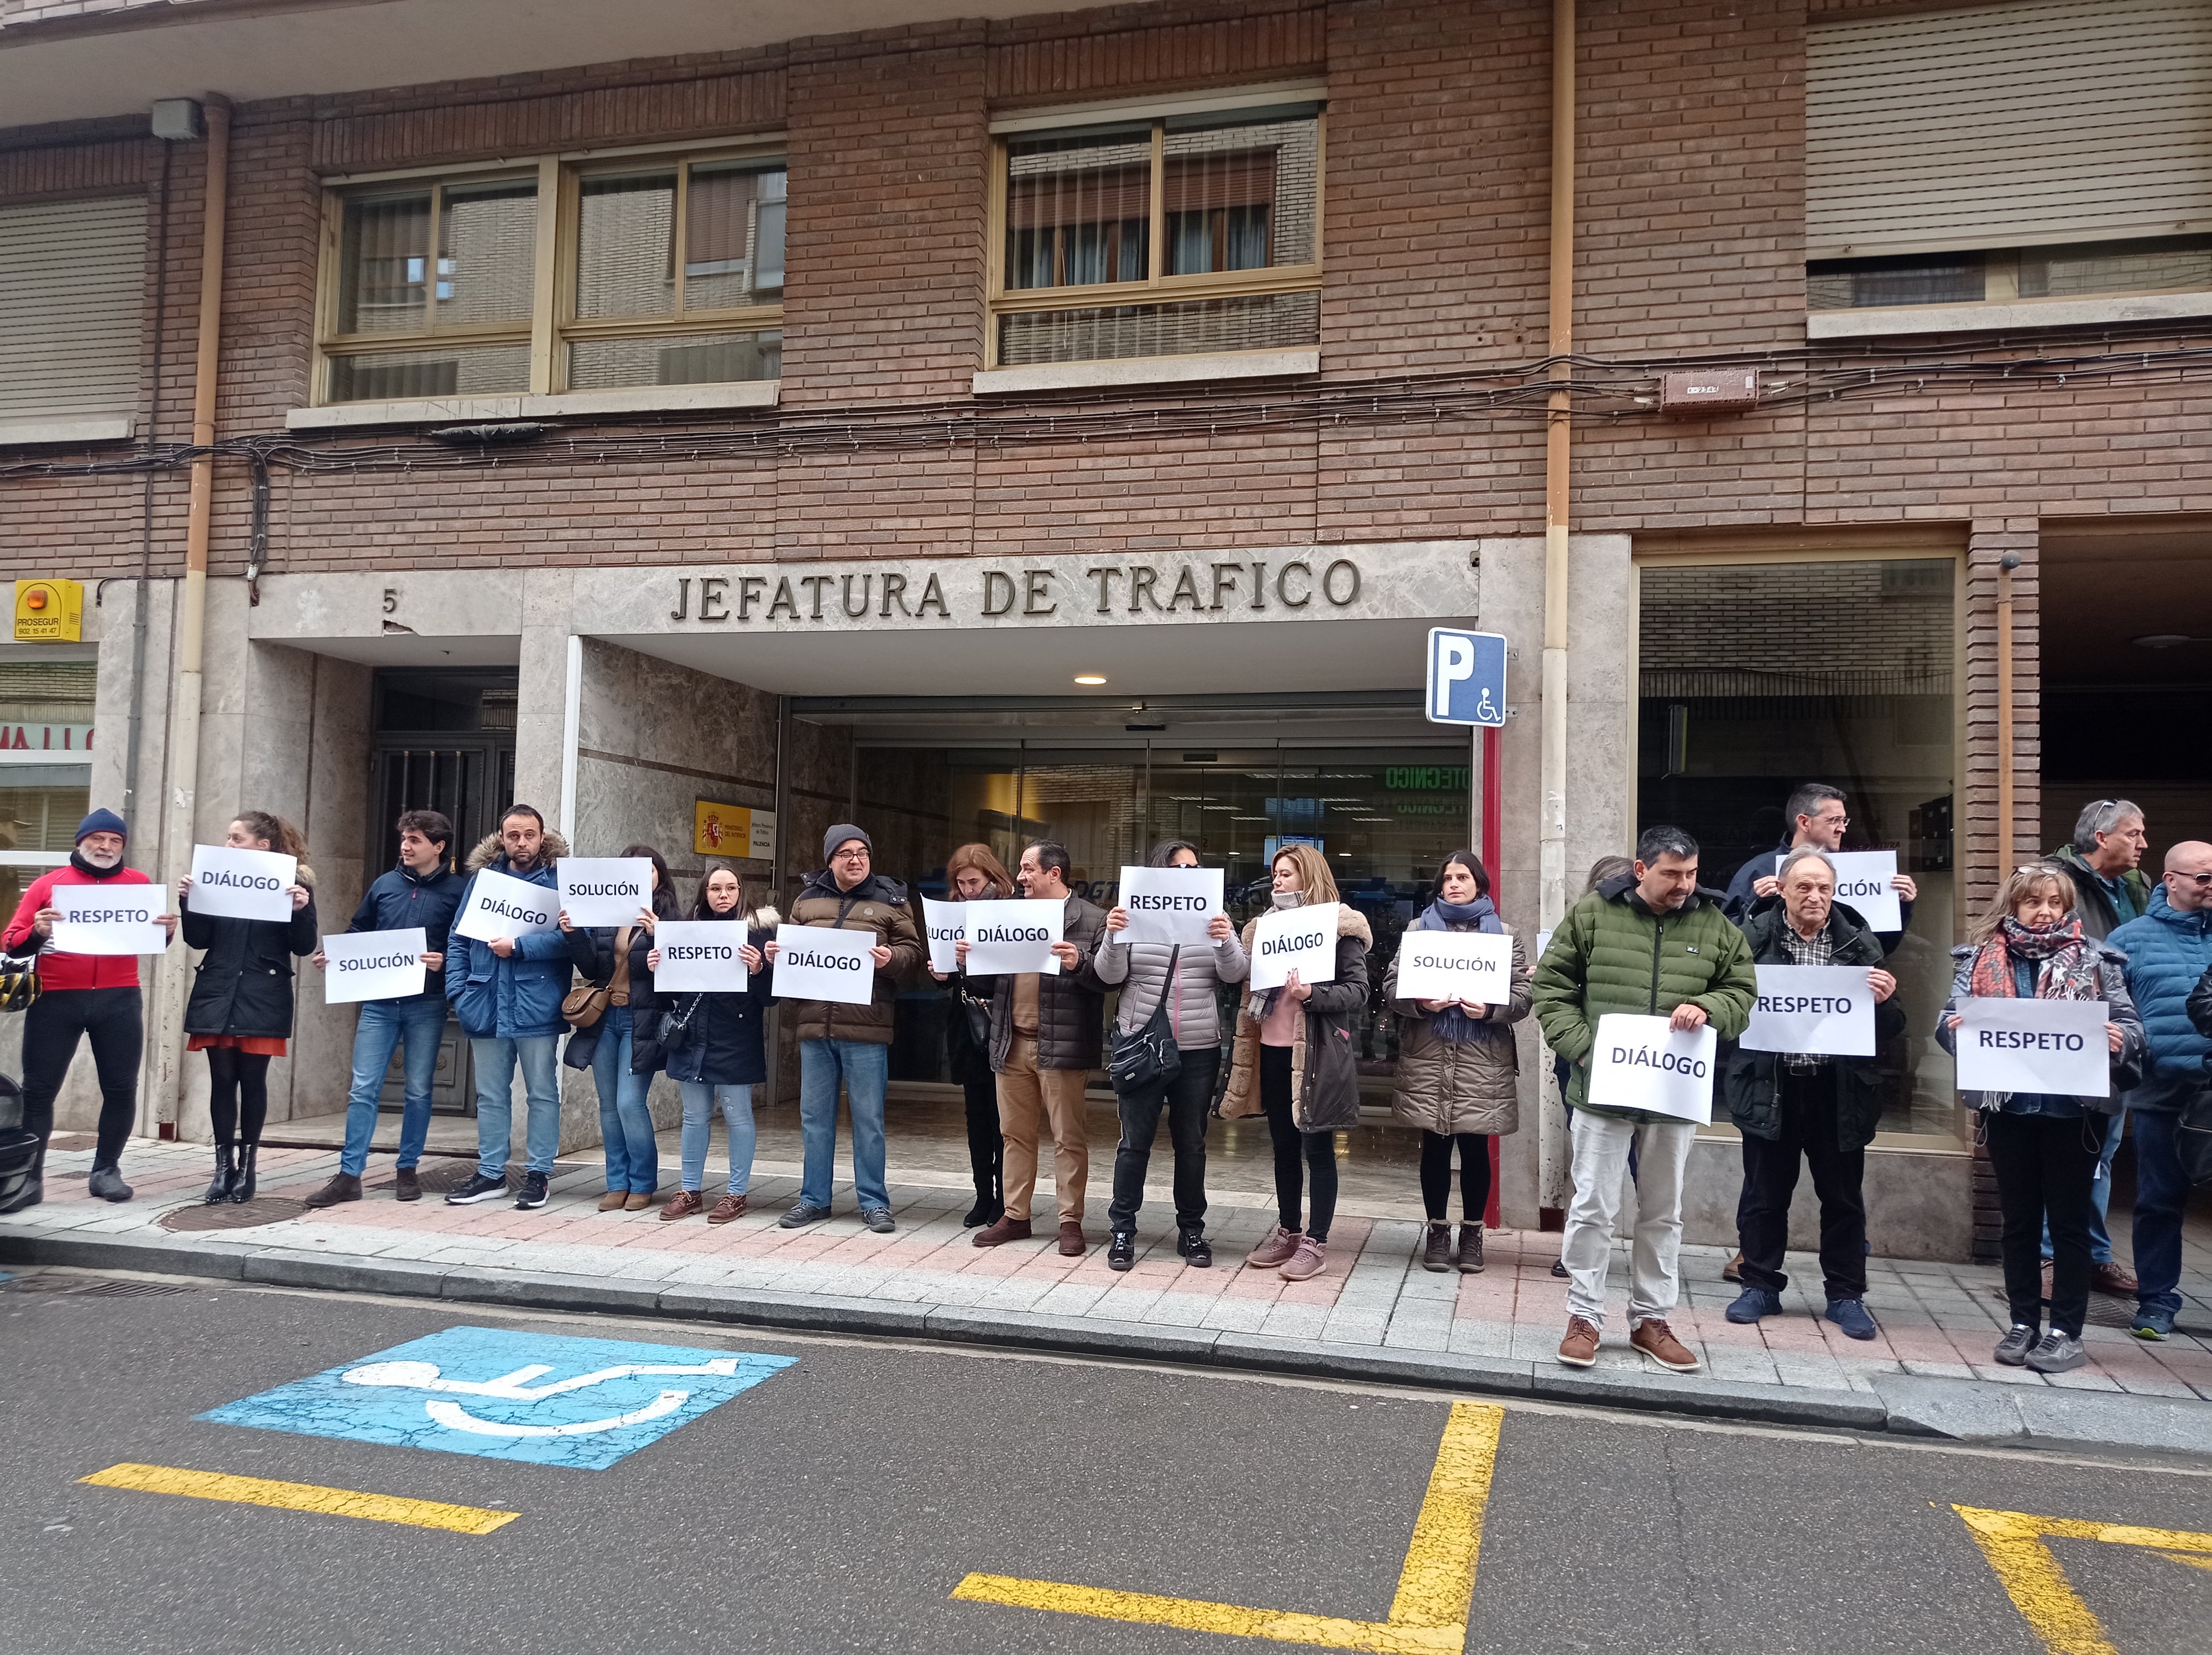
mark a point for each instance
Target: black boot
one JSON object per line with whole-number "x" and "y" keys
{"x": 226, "y": 1175}
{"x": 1436, "y": 1247}
{"x": 241, "y": 1191}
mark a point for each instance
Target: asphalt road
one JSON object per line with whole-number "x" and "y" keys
{"x": 837, "y": 1503}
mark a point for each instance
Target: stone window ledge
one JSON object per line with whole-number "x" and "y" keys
{"x": 2005, "y": 315}
{"x": 443, "y": 410}
{"x": 98, "y": 428}
{"x": 1147, "y": 370}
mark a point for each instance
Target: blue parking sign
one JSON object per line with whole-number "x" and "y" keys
{"x": 1467, "y": 677}
{"x": 583, "y": 1403}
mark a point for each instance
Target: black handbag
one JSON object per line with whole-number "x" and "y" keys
{"x": 1148, "y": 1056}
{"x": 19, "y": 982}
{"x": 2192, "y": 1138}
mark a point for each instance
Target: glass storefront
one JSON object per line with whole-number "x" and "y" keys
{"x": 1380, "y": 798}
{"x": 45, "y": 768}
{"x": 1757, "y": 677}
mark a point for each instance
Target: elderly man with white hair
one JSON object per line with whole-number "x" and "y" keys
{"x": 1794, "y": 1106}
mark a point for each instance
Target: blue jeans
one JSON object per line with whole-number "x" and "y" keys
{"x": 384, "y": 1024}
{"x": 2161, "y": 1197}
{"x": 2101, "y": 1197}
{"x": 541, "y": 1089}
{"x": 625, "y": 1122}
{"x": 699, "y": 1100}
{"x": 865, "y": 1069}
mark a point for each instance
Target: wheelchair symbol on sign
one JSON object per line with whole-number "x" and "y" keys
{"x": 516, "y": 1387}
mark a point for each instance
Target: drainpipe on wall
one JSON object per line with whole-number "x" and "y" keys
{"x": 2006, "y": 564}
{"x": 1552, "y": 828}
{"x": 183, "y": 737}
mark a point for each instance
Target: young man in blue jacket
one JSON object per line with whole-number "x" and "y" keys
{"x": 508, "y": 993}
{"x": 424, "y": 891}
{"x": 2169, "y": 950}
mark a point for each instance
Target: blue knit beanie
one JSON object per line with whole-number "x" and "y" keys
{"x": 102, "y": 821}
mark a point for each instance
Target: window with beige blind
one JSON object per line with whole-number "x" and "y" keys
{"x": 1175, "y": 234}
{"x": 663, "y": 270}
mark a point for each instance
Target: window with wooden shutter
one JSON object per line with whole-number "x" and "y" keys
{"x": 72, "y": 307}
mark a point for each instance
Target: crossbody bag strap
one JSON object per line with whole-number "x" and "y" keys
{"x": 619, "y": 984}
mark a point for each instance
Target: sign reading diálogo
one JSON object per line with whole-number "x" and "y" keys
{"x": 605, "y": 890}
{"x": 1005, "y": 937}
{"x": 374, "y": 965}
{"x": 1643, "y": 1062}
{"x": 242, "y": 884}
{"x": 2035, "y": 1045}
{"x": 1475, "y": 966}
{"x": 947, "y": 923}
{"x": 1169, "y": 904}
{"x": 1823, "y": 1009}
{"x": 699, "y": 956}
{"x": 108, "y": 919}
{"x": 813, "y": 962}
{"x": 1301, "y": 939}
{"x": 501, "y": 905}
{"x": 1866, "y": 879}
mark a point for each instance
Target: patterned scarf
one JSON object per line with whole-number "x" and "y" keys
{"x": 1452, "y": 1025}
{"x": 2066, "y": 966}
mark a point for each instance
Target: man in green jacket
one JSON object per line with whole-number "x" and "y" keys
{"x": 1647, "y": 944}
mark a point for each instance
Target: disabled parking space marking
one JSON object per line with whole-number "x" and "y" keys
{"x": 301, "y": 1497}
{"x": 1436, "y": 1588}
{"x": 2014, "y": 1542}
{"x": 486, "y": 1392}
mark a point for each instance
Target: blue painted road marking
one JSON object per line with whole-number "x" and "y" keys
{"x": 583, "y": 1403}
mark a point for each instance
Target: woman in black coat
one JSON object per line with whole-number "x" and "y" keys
{"x": 715, "y": 1053}
{"x": 620, "y": 1049}
{"x": 240, "y": 1009}
{"x": 974, "y": 874}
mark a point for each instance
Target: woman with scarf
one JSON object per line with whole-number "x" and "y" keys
{"x": 1294, "y": 1061}
{"x": 1459, "y": 1069}
{"x": 612, "y": 957}
{"x": 716, "y": 1054}
{"x": 2043, "y": 1146}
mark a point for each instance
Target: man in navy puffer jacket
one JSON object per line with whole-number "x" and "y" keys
{"x": 2169, "y": 950}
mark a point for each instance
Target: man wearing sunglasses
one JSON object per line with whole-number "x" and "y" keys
{"x": 2169, "y": 950}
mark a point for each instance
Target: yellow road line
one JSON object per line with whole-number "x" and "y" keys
{"x": 1436, "y": 1588}
{"x": 300, "y": 1497}
{"x": 2014, "y": 1544}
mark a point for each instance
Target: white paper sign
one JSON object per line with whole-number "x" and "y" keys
{"x": 1460, "y": 965}
{"x": 945, "y": 923}
{"x": 1643, "y": 1062}
{"x": 2035, "y": 1045}
{"x": 1169, "y": 904}
{"x": 1865, "y": 879}
{"x": 374, "y": 964}
{"x": 1543, "y": 944}
{"x": 501, "y": 905}
{"x": 1301, "y": 939}
{"x": 813, "y": 962}
{"x": 699, "y": 956}
{"x": 108, "y": 919}
{"x": 1008, "y": 937}
{"x": 605, "y": 890}
{"x": 1824, "y": 1009}
{"x": 242, "y": 884}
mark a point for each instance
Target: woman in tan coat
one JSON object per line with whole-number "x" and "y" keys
{"x": 1294, "y": 1061}
{"x": 1459, "y": 1069}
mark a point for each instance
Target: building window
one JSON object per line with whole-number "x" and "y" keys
{"x": 1733, "y": 717}
{"x": 665, "y": 271}
{"x": 72, "y": 307}
{"x": 46, "y": 767}
{"x": 2089, "y": 269}
{"x": 1175, "y": 235}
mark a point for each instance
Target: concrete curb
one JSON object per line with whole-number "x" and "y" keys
{"x": 1967, "y": 1411}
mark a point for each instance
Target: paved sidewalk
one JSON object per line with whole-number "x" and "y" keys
{"x": 1374, "y": 1312}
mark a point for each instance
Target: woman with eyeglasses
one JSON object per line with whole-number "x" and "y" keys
{"x": 2043, "y": 1146}
{"x": 974, "y": 874}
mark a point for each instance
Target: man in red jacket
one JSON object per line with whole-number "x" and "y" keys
{"x": 79, "y": 994}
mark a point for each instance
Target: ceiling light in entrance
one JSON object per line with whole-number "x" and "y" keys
{"x": 2165, "y": 641}
{"x": 1091, "y": 677}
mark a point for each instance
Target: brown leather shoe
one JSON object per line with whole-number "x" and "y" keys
{"x": 406, "y": 1185}
{"x": 728, "y": 1207}
{"x": 1579, "y": 1347}
{"x": 1657, "y": 1340}
{"x": 683, "y": 1204}
{"x": 614, "y": 1200}
{"x": 1436, "y": 1248}
{"x": 637, "y": 1202}
{"x": 1071, "y": 1243}
{"x": 342, "y": 1188}
{"x": 2112, "y": 1278}
{"x": 1005, "y": 1230}
{"x": 1469, "y": 1256}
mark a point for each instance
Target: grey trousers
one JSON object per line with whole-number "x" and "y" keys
{"x": 1601, "y": 1163}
